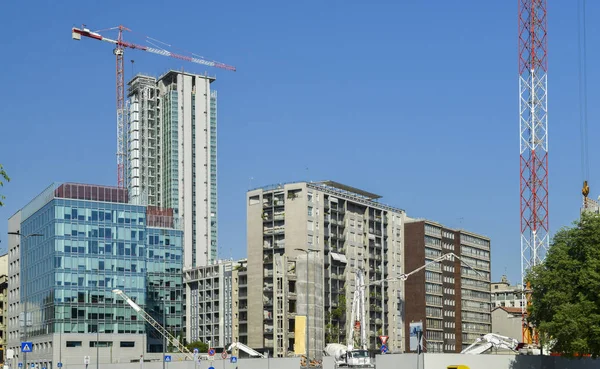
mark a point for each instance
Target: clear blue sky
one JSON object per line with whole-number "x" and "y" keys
{"x": 414, "y": 100}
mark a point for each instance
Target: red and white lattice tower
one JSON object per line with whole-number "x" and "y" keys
{"x": 533, "y": 122}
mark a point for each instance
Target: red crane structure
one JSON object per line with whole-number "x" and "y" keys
{"x": 533, "y": 123}
{"x": 119, "y": 52}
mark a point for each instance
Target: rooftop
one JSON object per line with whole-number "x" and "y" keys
{"x": 510, "y": 310}
{"x": 338, "y": 189}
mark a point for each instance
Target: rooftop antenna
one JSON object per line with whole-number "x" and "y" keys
{"x": 250, "y": 183}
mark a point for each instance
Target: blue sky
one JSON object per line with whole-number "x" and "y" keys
{"x": 414, "y": 100}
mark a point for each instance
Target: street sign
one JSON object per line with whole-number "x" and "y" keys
{"x": 384, "y": 349}
{"x": 224, "y": 355}
{"x": 26, "y": 346}
{"x": 415, "y": 334}
{"x": 44, "y": 367}
{"x": 59, "y": 364}
{"x": 195, "y": 351}
{"x": 233, "y": 359}
{"x": 211, "y": 352}
{"x": 383, "y": 339}
{"x": 20, "y": 365}
{"x": 167, "y": 358}
{"x": 32, "y": 365}
{"x": 211, "y": 367}
{"x": 86, "y": 360}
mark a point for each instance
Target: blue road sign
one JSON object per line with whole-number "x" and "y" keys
{"x": 195, "y": 351}
{"x": 211, "y": 367}
{"x": 44, "y": 367}
{"x": 32, "y": 365}
{"x": 211, "y": 352}
{"x": 233, "y": 359}
{"x": 59, "y": 364}
{"x": 167, "y": 358}
{"x": 384, "y": 349}
{"x": 26, "y": 346}
{"x": 20, "y": 365}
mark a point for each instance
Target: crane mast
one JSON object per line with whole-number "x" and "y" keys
{"x": 119, "y": 52}
{"x": 148, "y": 318}
{"x": 533, "y": 123}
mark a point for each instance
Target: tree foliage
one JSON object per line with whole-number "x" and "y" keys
{"x": 201, "y": 346}
{"x": 566, "y": 289}
{"x": 3, "y": 179}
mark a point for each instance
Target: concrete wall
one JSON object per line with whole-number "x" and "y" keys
{"x": 506, "y": 324}
{"x": 441, "y": 361}
{"x": 271, "y": 363}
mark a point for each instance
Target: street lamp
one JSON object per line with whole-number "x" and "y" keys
{"x": 21, "y": 269}
{"x": 164, "y": 303}
{"x": 307, "y": 251}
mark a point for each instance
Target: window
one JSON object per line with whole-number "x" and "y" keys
{"x": 310, "y": 211}
{"x": 309, "y": 197}
{"x": 73, "y": 343}
{"x": 127, "y": 344}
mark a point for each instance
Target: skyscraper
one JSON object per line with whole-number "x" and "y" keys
{"x": 172, "y": 155}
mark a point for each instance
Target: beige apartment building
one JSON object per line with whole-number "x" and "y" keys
{"x": 345, "y": 229}
{"x": 3, "y": 305}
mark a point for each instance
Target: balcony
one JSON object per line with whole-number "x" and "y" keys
{"x": 274, "y": 230}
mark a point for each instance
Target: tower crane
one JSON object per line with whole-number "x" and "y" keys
{"x": 148, "y": 318}
{"x": 119, "y": 51}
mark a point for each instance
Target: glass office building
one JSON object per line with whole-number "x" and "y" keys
{"x": 92, "y": 242}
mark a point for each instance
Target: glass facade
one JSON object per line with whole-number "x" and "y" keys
{"x": 88, "y": 249}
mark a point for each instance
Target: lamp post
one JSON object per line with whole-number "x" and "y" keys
{"x": 97, "y": 344}
{"x": 21, "y": 269}
{"x": 307, "y": 251}
{"x": 164, "y": 325}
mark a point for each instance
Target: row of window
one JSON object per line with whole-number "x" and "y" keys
{"x": 479, "y": 264}
{"x": 474, "y": 240}
{"x": 123, "y": 344}
{"x": 468, "y": 250}
{"x": 476, "y": 274}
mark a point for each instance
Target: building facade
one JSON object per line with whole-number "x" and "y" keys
{"x": 345, "y": 228}
{"x": 452, "y": 300}
{"x": 505, "y": 295}
{"x": 209, "y": 303}
{"x": 172, "y": 155}
{"x": 508, "y": 321}
{"x": 60, "y": 282}
{"x": 3, "y": 305}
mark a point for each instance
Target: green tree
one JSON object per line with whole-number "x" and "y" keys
{"x": 566, "y": 289}
{"x": 3, "y": 179}
{"x": 201, "y": 346}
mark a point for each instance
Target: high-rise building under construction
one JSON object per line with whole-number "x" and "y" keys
{"x": 172, "y": 155}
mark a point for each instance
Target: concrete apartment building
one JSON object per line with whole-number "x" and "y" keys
{"x": 211, "y": 294}
{"x": 452, "y": 300}
{"x": 88, "y": 241}
{"x": 172, "y": 155}
{"x": 505, "y": 295}
{"x": 350, "y": 230}
{"x": 240, "y": 302}
{"x": 3, "y": 305}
